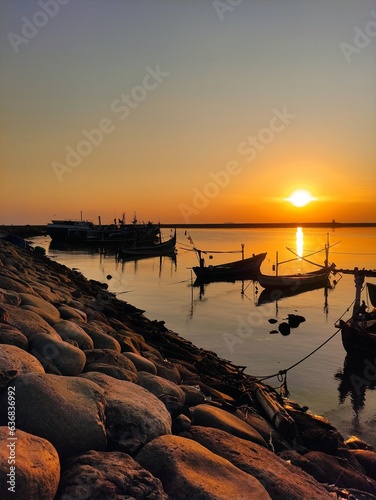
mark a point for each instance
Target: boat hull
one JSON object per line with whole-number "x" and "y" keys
{"x": 165, "y": 248}
{"x": 233, "y": 271}
{"x": 295, "y": 282}
{"x": 358, "y": 340}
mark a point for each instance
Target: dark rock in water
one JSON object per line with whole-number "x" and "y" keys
{"x": 272, "y": 321}
{"x": 355, "y": 443}
{"x": 108, "y": 475}
{"x": 284, "y": 328}
{"x": 67, "y": 411}
{"x": 37, "y": 466}
{"x": 189, "y": 470}
{"x": 295, "y": 320}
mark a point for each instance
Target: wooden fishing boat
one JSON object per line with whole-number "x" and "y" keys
{"x": 163, "y": 248}
{"x": 294, "y": 282}
{"x": 359, "y": 332}
{"x": 232, "y": 271}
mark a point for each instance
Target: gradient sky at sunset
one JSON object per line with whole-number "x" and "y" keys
{"x": 203, "y": 110}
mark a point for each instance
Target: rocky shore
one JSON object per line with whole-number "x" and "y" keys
{"x": 97, "y": 402}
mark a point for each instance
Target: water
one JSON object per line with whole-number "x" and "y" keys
{"x": 226, "y": 318}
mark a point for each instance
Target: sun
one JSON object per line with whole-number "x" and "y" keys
{"x": 300, "y": 198}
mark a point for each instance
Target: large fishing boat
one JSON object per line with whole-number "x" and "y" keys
{"x": 86, "y": 232}
{"x": 359, "y": 332}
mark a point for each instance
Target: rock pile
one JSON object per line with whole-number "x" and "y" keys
{"x": 97, "y": 401}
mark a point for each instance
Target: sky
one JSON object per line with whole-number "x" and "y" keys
{"x": 187, "y": 111}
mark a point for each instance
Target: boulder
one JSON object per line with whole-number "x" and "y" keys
{"x": 101, "y": 475}
{"x": 15, "y": 285}
{"x": 12, "y": 358}
{"x": 210, "y": 416}
{"x": 35, "y": 464}
{"x": 56, "y": 356}
{"x": 67, "y": 411}
{"x": 168, "y": 370}
{"x": 12, "y": 336}
{"x": 112, "y": 371}
{"x": 44, "y": 305}
{"x": 189, "y": 470}
{"x": 134, "y": 415}
{"x": 40, "y": 312}
{"x": 100, "y": 338}
{"x": 67, "y": 312}
{"x": 141, "y": 363}
{"x": 28, "y": 322}
{"x": 109, "y": 357}
{"x": 336, "y": 471}
{"x": 279, "y": 478}
{"x": 71, "y": 331}
{"x": 193, "y": 395}
{"x": 161, "y": 388}
{"x": 367, "y": 460}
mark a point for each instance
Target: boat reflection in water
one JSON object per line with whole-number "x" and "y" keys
{"x": 356, "y": 378}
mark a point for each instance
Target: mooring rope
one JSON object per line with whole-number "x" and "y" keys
{"x": 282, "y": 373}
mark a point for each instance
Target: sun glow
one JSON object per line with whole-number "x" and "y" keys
{"x": 300, "y": 198}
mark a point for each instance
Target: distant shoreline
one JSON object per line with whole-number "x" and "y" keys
{"x": 271, "y": 225}
{"x": 28, "y": 230}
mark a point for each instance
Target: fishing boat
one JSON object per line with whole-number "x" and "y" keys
{"x": 295, "y": 282}
{"x": 299, "y": 282}
{"x": 167, "y": 247}
{"x": 359, "y": 332}
{"x": 88, "y": 233}
{"x": 232, "y": 271}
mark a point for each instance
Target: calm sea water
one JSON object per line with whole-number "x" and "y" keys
{"x": 228, "y": 318}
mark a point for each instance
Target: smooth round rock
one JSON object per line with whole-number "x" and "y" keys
{"x": 12, "y": 336}
{"x": 188, "y": 470}
{"x": 141, "y": 363}
{"x": 67, "y": 312}
{"x": 134, "y": 415}
{"x": 56, "y": 356}
{"x": 36, "y": 466}
{"x": 67, "y": 411}
{"x": 71, "y": 331}
{"x": 14, "y": 358}
{"x": 211, "y": 416}
{"x": 28, "y": 322}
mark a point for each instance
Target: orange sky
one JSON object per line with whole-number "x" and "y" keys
{"x": 180, "y": 115}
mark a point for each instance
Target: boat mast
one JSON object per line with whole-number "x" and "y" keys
{"x": 326, "y": 263}
{"x": 359, "y": 280}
